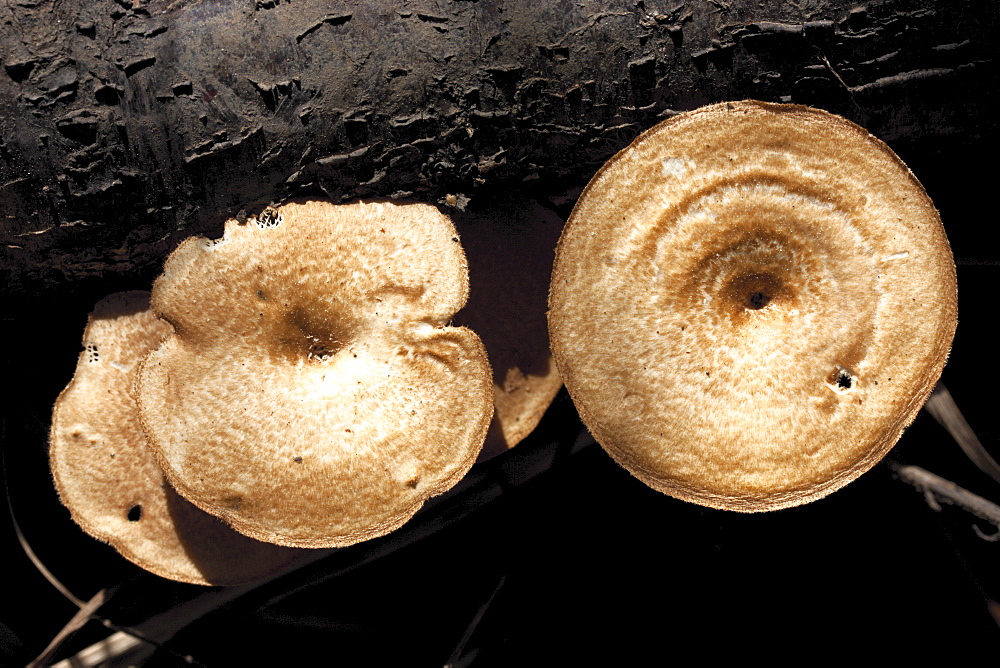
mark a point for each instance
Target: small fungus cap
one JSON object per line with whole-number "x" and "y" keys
{"x": 510, "y": 249}
{"x": 312, "y": 394}
{"x": 108, "y": 478}
{"x": 750, "y": 303}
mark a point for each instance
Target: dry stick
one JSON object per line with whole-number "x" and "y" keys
{"x": 77, "y": 622}
{"x": 138, "y": 643}
{"x": 30, "y": 553}
{"x": 456, "y": 656}
{"x": 936, "y": 489}
{"x": 943, "y": 408}
{"x": 84, "y": 610}
{"x": 124, "y": 640}
{"x": 939, "y": 490}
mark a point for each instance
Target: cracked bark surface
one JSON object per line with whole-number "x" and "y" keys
{"x": 127, "y": 125}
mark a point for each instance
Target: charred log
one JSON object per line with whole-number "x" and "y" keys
{"x": 126, "y": 125}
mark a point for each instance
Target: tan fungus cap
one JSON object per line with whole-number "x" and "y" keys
{"x": 750, "y": 303}
{"x": 107, "y": 476}
{"x": 312, "y": 394}
{"x": 510, "y": 251}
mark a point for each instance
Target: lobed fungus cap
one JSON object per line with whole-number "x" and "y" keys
{"x": 312, "y": 393}
{"x": 750, "y": 303}
{"x": 107, "y": 476}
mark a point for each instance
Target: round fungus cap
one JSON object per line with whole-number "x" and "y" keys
{"x": 107, "y": 476}
{"x": 510, "y": 249}
{"x": 312, "y": 394}
{"x": 750, "y": 303}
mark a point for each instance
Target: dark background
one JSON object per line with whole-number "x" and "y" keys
{"x": 579, "y": 561}
{"x": 592, "y": 563}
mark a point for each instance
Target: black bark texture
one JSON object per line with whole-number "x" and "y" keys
{"x": 126, "y": 125}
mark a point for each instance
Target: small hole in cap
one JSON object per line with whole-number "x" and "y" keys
{"x": 842, "y": 380}
{"x": 757, "y": 300}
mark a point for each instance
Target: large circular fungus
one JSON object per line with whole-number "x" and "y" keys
{"x": 750, "y": 303}
{"x": 107, "y": 476}
{"x": 312, "y": 393}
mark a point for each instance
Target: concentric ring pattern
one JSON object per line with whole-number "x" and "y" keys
{"x": 750, "y": 303}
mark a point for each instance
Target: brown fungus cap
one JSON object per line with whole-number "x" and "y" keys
{"x": 312, "y": 394}
{"x": 107, "y": 476}
{"x": 510, "y": 249}
{"x": 750, "y": 303}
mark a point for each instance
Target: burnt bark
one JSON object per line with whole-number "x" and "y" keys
{"x": 126, "y": 125}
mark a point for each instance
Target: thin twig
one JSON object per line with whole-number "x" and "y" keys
{"x": 82, "y": 616}
{"x": 455, "y": 659}
{"x": 943, "y": 408}
{"x": 26, "y": 547}
{"x": 939, "y": 490}
{"x": 140, "y": 641}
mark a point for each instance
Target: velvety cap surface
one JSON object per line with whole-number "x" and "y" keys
{"x": 750, "y": 303}
{"x": 312, "y": 393}
{"x": 108, "y": 478}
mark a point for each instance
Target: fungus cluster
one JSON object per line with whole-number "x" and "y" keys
{"x": 750, "y": 303}
{"x": 748, "y": 306}
{"x": 298, "y": 380}
{"x": 107, "y": 475}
